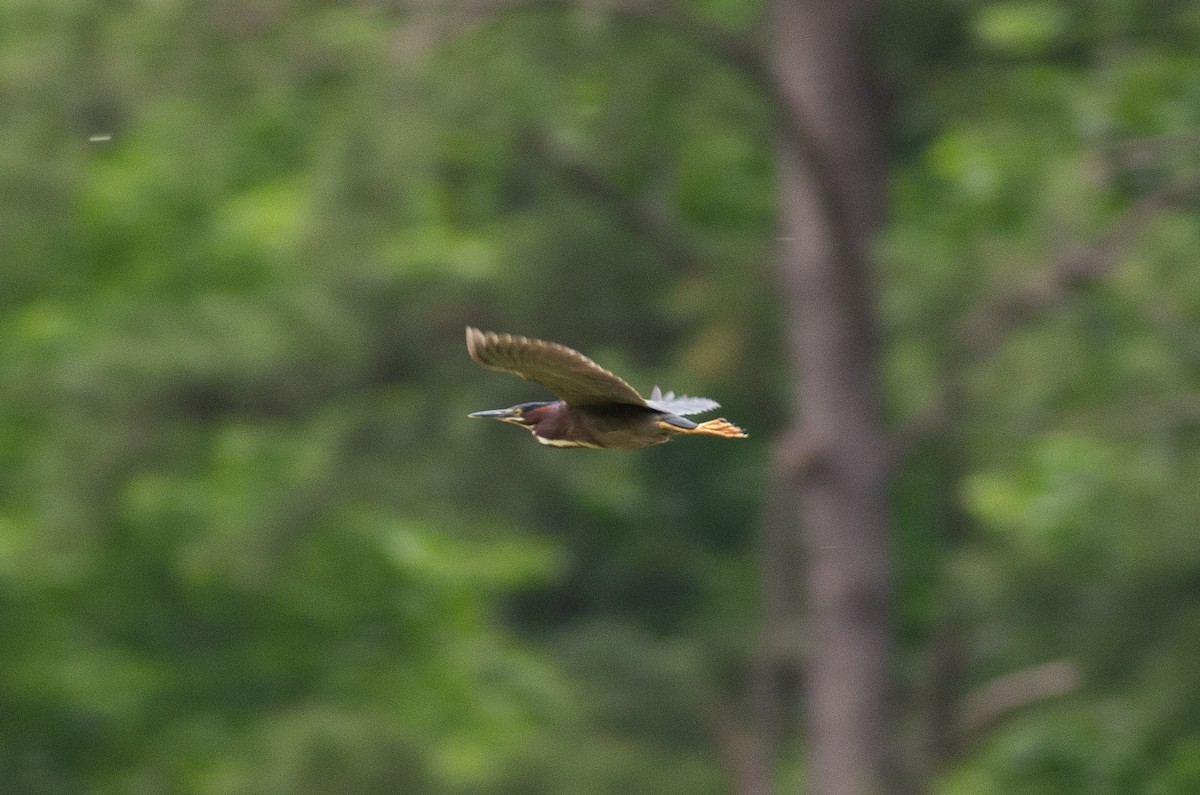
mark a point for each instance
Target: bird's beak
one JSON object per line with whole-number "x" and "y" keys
{"x": 495, "y": 414}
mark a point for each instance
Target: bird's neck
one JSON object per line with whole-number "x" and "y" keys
{"x": 557, "y": 425}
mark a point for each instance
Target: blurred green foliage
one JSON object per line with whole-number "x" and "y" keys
{"x": 249, "y": 543}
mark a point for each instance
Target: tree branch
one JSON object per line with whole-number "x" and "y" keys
{"x": 987, "y": 707}
{"x": 988, "y": 330}
{"x": 653, "y": 225}
{"x": 738, "y": 749}
{"x": 1152, "y": 150}
{"x": 985, "y": 331}
{"x": 736, "y": 51}
{"x": 731, "y": 48}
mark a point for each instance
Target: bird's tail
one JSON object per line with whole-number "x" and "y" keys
{"x": 721, "y": 427}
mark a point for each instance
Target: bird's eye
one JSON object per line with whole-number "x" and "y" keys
{"x": 516, "y": 412}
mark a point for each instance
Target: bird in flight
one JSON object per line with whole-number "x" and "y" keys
{"x": 595, "y": 408}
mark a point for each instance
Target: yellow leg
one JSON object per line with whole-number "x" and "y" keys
{"x": 721, "y": 427}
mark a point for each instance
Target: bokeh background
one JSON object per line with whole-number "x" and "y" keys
{"x": 249, "y": 542}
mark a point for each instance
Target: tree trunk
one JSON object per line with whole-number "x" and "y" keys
{"x": 831, "y": 182}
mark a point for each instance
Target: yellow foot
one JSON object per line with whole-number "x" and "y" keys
{"x": 721, "y": 427}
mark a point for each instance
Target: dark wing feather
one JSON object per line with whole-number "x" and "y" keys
{"x": 567, "y": 373}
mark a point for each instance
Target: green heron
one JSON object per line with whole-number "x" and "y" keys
{"x": 595, "y": 408}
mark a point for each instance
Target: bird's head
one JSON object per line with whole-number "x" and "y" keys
{"x": 527, "y": 415}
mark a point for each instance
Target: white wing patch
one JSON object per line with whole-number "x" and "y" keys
{"x": 681, "y": 405}
{"x": 563, "y": 442}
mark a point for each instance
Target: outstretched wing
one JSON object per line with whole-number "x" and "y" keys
{"x": 567, "y": 373}
{"x": 682, "y": 405}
